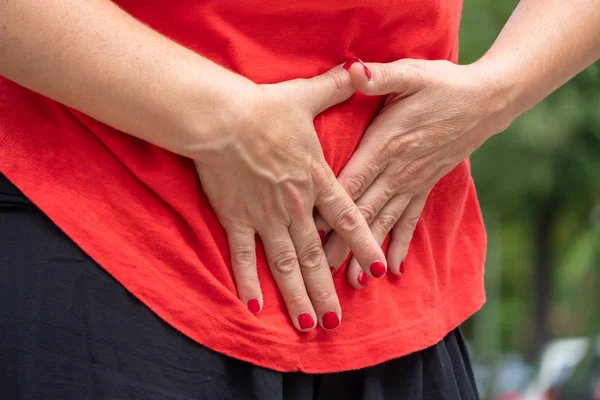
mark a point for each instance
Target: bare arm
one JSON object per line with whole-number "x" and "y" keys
{"x": 437, "y": 113}
{"x": 94, "y": 57}
{"x": 543, "y": 45}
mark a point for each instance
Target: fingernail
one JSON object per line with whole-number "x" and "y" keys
{"x": 362, "y": 278}
{"x": 377, "y": 269}
{"x": 331, "y": 320}
{"x": 254, "y": 306}
{"x": 322, "y": 236}
{"x": 306, "y": 321}
{"x": 353, "y": 60}
{"x": 332, "y": 269}
{"x": 402, "y": 267}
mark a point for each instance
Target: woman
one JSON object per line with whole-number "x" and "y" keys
{"x": 131, "y": 119}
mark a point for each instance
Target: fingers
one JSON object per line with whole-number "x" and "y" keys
{"x": 243, "y": 262}
{"x": 402, "y": 233}
{"x": 382, "y": 224}
{"x": 336, "y": 251}
{"x": 359, "y": 174}
{"x": 326, "y": 90}
{"x": 355, "y": 180}
{"x": 403, "y": 76}
{"x": 283, "y": 263}
{"x": 362, "y": 169}
{"x": 340, "y": 212}
{"x": 316, "y": 273}
{"x": 370, "y": 204}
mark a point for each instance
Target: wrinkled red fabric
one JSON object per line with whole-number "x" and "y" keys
{"x": 140, "y": 212}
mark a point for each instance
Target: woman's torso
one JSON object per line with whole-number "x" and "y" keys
{"x": 140, "y": 213}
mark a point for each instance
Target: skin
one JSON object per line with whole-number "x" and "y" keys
{"x": 437, "y": 113}
{"x": 248, "y": 141}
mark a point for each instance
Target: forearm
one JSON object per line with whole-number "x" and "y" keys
{"x": 543, "y": 45}
{"x": 94, "y": 57}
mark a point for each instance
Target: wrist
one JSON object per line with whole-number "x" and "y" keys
{"x": 503, "y": 93}
{"x": 216, "y": 115}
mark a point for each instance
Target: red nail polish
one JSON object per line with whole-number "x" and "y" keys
{"x": 322, "y": 236}
{"x": 331, "y": 320}
{"x": 362, "y": 278}
{"x": 306, "y": 321}
{"x": 254, "y": 306}
{"x": 353, "y": 60}
{"x": 402, "y": 267}
{"x": 332, "y": 269}
{"x": 377, "y": 269}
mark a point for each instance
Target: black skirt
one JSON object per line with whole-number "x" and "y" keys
{"x": 68, "y": 330}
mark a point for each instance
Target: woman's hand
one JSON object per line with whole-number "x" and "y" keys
{"x": 264, "y": 175}
{"x": 436, "y": 114}
{"x": 255, "y": 147}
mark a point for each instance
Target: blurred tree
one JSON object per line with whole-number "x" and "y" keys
{"x": 541, "y": 181}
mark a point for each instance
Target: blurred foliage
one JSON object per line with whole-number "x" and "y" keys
{"x": 545, "y": 165}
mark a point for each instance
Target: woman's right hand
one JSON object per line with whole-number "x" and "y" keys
{"x": 265, "y": 174}
{"x": 258, "y": 156}
{"x": 259, "y": 160}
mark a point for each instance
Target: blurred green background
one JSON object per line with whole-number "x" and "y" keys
{"x": 539, "y": 187}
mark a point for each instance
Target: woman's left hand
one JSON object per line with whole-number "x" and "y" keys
{"x": 435, "y": 115}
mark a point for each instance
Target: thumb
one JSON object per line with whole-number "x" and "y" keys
{"x": 374, "y": 79}
{"x": 326, "y": 90}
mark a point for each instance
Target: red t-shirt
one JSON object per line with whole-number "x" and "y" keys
{"x": 140, "y": 212}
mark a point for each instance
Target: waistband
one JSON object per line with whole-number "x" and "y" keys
{"x": 11, "y": 196}
{"x": 6, "y": 187}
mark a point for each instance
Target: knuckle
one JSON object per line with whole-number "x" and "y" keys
{"x": 349, "y": 220}
{"x": 412, "y": 172}
{"x": 368, "y": 212}
{"x": 386, "y": 75}
{"x": 323, "y": 295}
{"x": 318, "y": 170}
{"x": 390, "y": 188}
{"x": 385, "y": 223}
{"x": 416, "y": 68}
{"x": 397, "y": 145}
{"x": 336, "y": 80}
{"x": 321, "y": 175}
{"x": 285, "y": 264}
{"x": 356, "y": 184}
{"x": 311, "y": 258}
{"x": 385, "y": 150}
{"x": 412, "y": 144}
{"x": 243, "y": 257}
{"x": 277, "y": 215}
{"x": 411, "y": 73}
{"x": 233, "y": 221}
{"x": 297, "y": 200}
{"x": 296, "y": 299}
